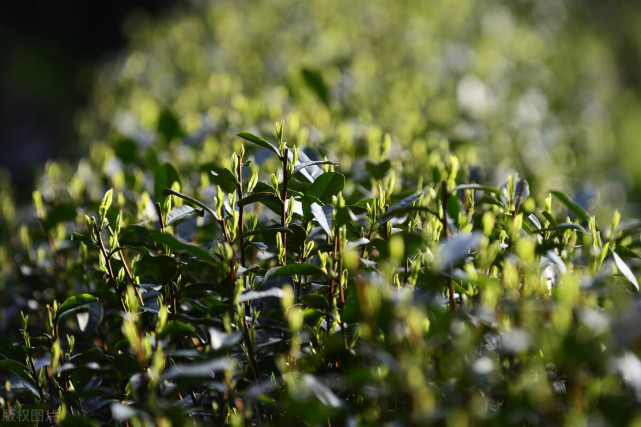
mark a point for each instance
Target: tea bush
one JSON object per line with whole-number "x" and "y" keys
{"x": 373, "y": 260}
{"x": 277, "y": 288}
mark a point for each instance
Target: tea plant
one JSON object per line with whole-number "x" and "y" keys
{"x": 296, "y": 292}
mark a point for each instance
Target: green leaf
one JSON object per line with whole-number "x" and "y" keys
{"x": 254, "y": 295}
{"x": 89, "y": 320}
{"x": 202, "y": 369}
{"x": 299, "y": 167}
{"x": 323, "y": 214}
{"x": 166, "y": 175}
{"x": 266, "y": 230}
{"x": 11, "y": 351}
{"x": 327, "y": 185}
{"x": 401, "y": 208}
{"x": 316, "y": 301}
{"x": 61, "y": 213}
{"x": 259, "y": 141}
{"x": 322, "y": 392}
{"x": 161, "y": 267}
{"x": 175, "y": 328}
{"x": 224, "y": 178}
{"x": 258, "y": 197}
{"x": 315, "y": 81}
{"x": 549, "y": 217}
{"x": 453, "y": 207}
{"x": 168, "y": 191}
{"x": 85, "y": 239}
{"x": 19, "y": 369}
{"x": 179, "y": 213}
{"x": 168, "y": 126}
{"x": 73, "y": 302}
{"x": 625, "y": 270}
{"x": 140, "y": 236}
{"x": 572, "y": 206}
{"x": 292, "y": 269}
{"x": 627, "y": 252}
{"x": 378, "y": 170}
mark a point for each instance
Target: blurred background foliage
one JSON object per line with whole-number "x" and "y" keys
{"x": 547, "y": 88}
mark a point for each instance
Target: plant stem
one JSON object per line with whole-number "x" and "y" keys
{"x": 241, "y": 227}
{"x": 108, "y": 262}
{"x": 341, "y": 285}
{"x": 446, "y": 234}
{"x": 283, "y": 220}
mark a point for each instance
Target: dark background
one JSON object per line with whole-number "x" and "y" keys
{"x": 48, "y": 54}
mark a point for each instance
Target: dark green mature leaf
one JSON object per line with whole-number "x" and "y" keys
{"x": 259, "y": 141}
{"x": 219, "y": 339}
{"x": 19, "y": 369}
{"x": 179, "y": 213}
{"x": 253, "y": 295}
{"x": 454, "y": 207}
{"x": 378, "y": 170}
{"x": 176, "y": 328}
{"x": 401, "y": 208}
{"x": 323, "y": 214}
{"x": 268, "y": 230}
{"x": 299, "y": 167}
{"x": 140, "y": 236}
{"x": 60, "y": 213}
{"x": 327, "y": 185}
{"x": 85, "y": 239}
{"x": 161, "y": 267}
{"x": 202, "y": 369}
{"x": 314, "y": 79}
{"x": 273, "y": 204}
{"x": 259, "y": 197}
{"x": 547, "y": 215}
{"x": 572, "y": 206}
{"x": 224, "y": 178}
{"x": 88, "y": 320}
{"x": 196, "y": 202}
{"x": 322, "y": 392}
{"x": 73, "y": 302}
{"x": 291, "y": 269}
{"x": 10, "y": 351}
{"x": 168, "y": 126}
{"x": 166, "y": 175}
{"x": 316, "y": 301}
{"x": 627, "y": 252}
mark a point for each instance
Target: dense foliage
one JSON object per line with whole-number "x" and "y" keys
{"x": 374, "y": 260}
{"x": 367, "y": 297}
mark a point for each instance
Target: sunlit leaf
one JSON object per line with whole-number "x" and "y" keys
{"x": 572, "y": 206}
{"x": 625, "y": 270}
{"x": 323, "y": 214}
{"x": 259, "y": 141}
{"x": 327, "y": 185}
{"x": 74, "y": 302}
{"x": 179, "y": 213}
